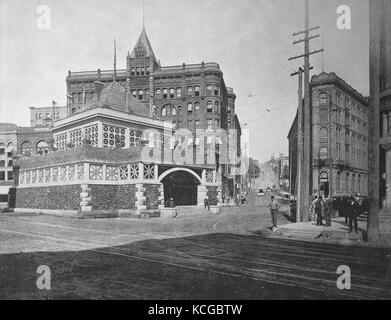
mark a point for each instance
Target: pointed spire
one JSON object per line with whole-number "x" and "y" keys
{"x": 115, "y": 62}
{"x": 144, "y": 44}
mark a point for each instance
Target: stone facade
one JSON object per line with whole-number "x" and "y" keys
{"x": 46, "y": 116}
{"x": 339, "y": 139}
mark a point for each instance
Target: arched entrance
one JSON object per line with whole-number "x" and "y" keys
{"x": 182, "y": 186}
{"x": 324, "y": 183}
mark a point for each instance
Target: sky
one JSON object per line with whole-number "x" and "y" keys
{"x": 250, "y": 39}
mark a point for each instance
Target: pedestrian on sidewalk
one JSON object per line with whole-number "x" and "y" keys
{"x": 318, "y": 211}
{"x": 328, "y": 207}
{"x": 354, "y": 212}
{"x": 274, "y": 206}
{"x": 207, "y": 203}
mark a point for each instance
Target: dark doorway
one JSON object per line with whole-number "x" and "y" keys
{"x": 182, "y": 187}
{"x": 324, "y": 184}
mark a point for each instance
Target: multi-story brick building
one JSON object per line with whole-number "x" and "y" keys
{"x": 45, "y": 116}
{"x": 190, "y": 96}
{"x": 339, "y": 138}
{"x": 15, "y": 140}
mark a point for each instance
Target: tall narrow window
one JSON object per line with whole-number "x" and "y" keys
{"x": 209, "y": 106}
{"x": 217, "y": 107}
{"x": 141, "y": 94}
{"x": 164, "y": 111}
{"x": 209, "y": 124}
{"x": 197, "y": 106}
{"x": 165, "y": 93}
{"x": 197, "y": 91}
{"x": 217, "y": 90}
{"x": 134, "y": 93}
{"x": 172, "y": 93}
{"x": 209, "y": 90}
{"x": 173, "y": 111}
{"x": 190, "y": 91}
{"x": 189, "y": 107}
{"x": 178, "y": 92}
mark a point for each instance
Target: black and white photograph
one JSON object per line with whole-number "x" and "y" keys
{"x": 210, "y": 151}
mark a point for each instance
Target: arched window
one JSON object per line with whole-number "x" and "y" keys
{"x": 42, "y": 147}
{"x": 217, "y": 107}
{"x": 164, "y": 111}
{"x": 323, "y": 135}
{"x": 197, "y": 106}
{"x": 190, "y": 107}
{"x": 209, "y": 106}
{"x": 179, "y": 110}
{"x": 26, "y": 147}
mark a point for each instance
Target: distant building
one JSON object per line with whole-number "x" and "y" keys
{"x": 45, "y": 116}
{"x": 274, "y": 173}
{"x": 15, "y": 141}
{"x": 339, "y": 140}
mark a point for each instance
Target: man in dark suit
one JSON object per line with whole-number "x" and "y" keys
{"x": 353, "y": 213}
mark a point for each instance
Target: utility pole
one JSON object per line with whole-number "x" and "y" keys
{"x": 300, "y": 144}
{"x": 304, "y": 185}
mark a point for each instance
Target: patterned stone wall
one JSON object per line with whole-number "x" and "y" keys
{"x": 152, "y": 196}
{"x": 213, "y": 195}
{"x": 52, "y": 198}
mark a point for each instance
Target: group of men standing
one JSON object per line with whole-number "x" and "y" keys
{"x": 351, "y": 208}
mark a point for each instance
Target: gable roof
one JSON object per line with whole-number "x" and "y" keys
{"x": 143, "y": 42}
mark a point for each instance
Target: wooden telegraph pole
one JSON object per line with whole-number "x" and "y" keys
{"x": 304, "y": 173}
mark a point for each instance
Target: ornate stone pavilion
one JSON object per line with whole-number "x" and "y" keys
{"x": 113, "y": 157}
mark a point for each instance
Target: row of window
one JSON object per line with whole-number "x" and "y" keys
{"x": 191, "y": 125}
{"x": 210, "y": 108}
{"x": 9, "y": 164}
{"x": 48, "y": 115}
{"x": 352, "y": 183}
{"x": 41, "y": 147}
{"x": 140, "y": 70}
{"x": 10, "y": 175}
{"x": 191, "y": 91}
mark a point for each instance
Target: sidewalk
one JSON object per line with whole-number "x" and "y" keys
{"x": 338, "y": 230}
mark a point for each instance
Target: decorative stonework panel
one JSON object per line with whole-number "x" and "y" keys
{"x": 134, "y": 172}
{"x": 91, "y": 133}
{"x": 71, "y": 172}
{"x": 209, "y": 176}
{"x": 80, "y": 171}
{"x": 48, "y": 176}
{"x": 61, "y": 141}
{"x": 34, "y": 176}
{"x": 96, "y": 172}
{"x": 28, "y": 177}
{"x": 55, "y": 174}
{"x": 21, "y": 177}
{"x": 111, "y": 173}
{"x": 63, "y": 173}
{"x": 76, "y": 137}
{"x": 149, "y": 171}
{"x": 112, "y": 136}
{"x": 135, "y": 137}
{"x": 123, "y": 172}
